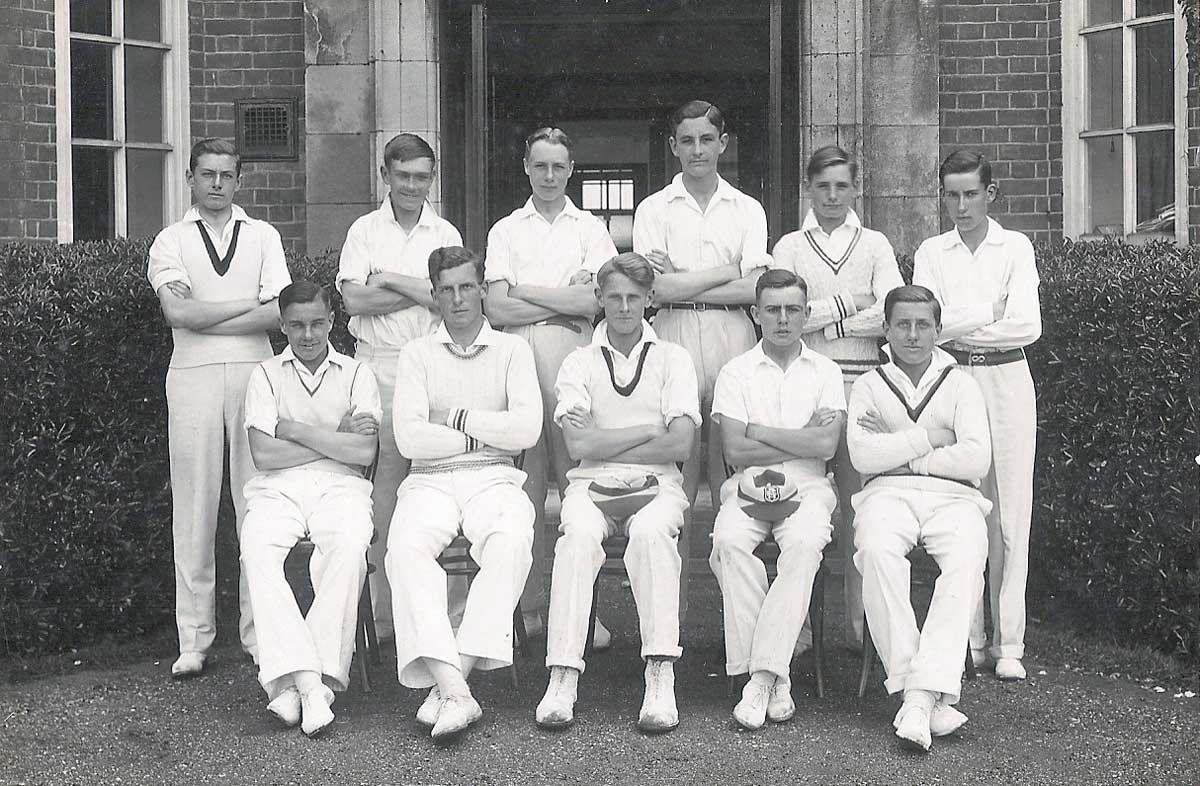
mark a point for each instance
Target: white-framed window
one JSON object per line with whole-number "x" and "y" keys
{"x": 610, "y": 194}
{"x": 122, "y": 116}
{"x": 1124, "y": 119}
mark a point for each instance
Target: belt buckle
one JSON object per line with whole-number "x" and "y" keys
{"x": 977, "y": 359}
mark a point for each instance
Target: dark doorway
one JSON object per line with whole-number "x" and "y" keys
{"x": 609, "y": 73}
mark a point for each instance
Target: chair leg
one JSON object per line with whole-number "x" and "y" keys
{"x": 366, "y": 620}
{"x": 969, "y": 664}
{"x": 364, "y": 633}
{"x": 868, "y": 659}
{"x": 521, "y": 648}
{"x": 591, "y": 630}
{"x": 816, "y": 616}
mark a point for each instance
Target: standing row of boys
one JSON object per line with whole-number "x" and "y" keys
{"x": 934, "y": 439}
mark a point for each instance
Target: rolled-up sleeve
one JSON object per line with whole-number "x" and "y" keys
{"x": 497, "y": 265}
{"x": 354, "y": 264}
{"x": 261, "y": 409}
{"x": 680, "y": 396}
{"x": 600, "y": 247}
{"x": 570, "y": 386}
{"x": 165, "y": 261}
{"x": 729, "y": 397}
{"x": 274, "y": 275}
{"x": 754, "y": 245}
{"x": 364, "y": 393}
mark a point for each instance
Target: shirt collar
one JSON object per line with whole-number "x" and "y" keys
{"x": 994, "y": 236}
{"x": 236, "y": 213}
{"x": 940, "y": 360}
{"x": 810, "y": 221}
{"x": 332, "y": 356}
{"x": 600, "y": 337}
{"x": 428, "y": 217}
{"x": 675, "y": 190}
{"x": 761, "y": 357}
{"x": 487, "y": 335}
{"x": 528, "y": 210}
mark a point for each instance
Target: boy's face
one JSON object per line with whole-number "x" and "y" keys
{"x": 214, "y": 181}
{"x": 624, "y": 302}
{"x": 781, "y": 312}
{"x": 307, "y": 327}
{"x": 458, "y": 294}
{"x": 549, "y": 167}
{"x": 966, "y": 199}
{"x": 832, "y": 192}
{"x": 911, "y": 332}
{"x": 409, "y": 182}
{"x": 698, "y": 145}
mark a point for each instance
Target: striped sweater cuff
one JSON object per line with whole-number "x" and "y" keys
{"x": 457, "y": 420}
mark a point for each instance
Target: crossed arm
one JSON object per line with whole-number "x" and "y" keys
{"x": 656, "y": 444}
{"x": 295, "y": 443}
{"x": 215, "y": 318}
{"x": 749, "y": 444}
{"x": 523, "y": 304}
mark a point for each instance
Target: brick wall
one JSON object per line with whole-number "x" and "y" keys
{"x": 251, "y": 49}
{"x": 28, "y": 167}
{"x": 1001, "y": 94}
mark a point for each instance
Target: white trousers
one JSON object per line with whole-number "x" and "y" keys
{"x": 490, "y": 509}
{"x": 888, "y": 524}
{"x": 652, "y": 561}
{"x": 1012, "y": 416}
{"x": 334, "y": 511}
{"x": 204, "y": 409}
{"x": 390, "y": 469}
{"x": 762, "y": 623}
{"x": 548, "y": 458}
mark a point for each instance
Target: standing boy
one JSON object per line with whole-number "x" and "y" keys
{"x": 987, "y": 281}
{"x": 849, "y": 270}
{"x": 539, "y": 268}
{"x": 217, "y": 273}
{"x": 384, "y": 283}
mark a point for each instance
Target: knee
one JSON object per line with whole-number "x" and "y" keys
{"x": 644, "y": 531}
{"x": 729, "y": 543}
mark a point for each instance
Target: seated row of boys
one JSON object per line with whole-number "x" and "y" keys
{"x": 467, "y": 402}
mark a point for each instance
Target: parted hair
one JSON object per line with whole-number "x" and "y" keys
{"x": 406, "y": 147}
{"x": 963, "y": 161}
{"x": 449, "y": 257}
{"x": 555, "y": 136}
{"x": 632, "y": 265}
{"x": 213, "y": 145}
{"x": 301, "y": 291}
{"x": 911, "y": 293}
{"x": 697, "y": 108}
{"x": 830, "y": 155}
{"x": 777, "y": 278}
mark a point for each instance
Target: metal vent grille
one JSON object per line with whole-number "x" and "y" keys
{"x": 266, "y": 130}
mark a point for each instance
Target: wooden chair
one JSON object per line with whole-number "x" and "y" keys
{"x": 924, "y": 572}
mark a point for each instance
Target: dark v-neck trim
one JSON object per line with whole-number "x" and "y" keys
{"x": 625, "y": 390}
{"x": 914, "y": 414}
{"x": 835, "y": 266}
{"x": 220, "y": 264}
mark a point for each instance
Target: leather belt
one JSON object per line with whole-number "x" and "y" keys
{"x": 688, "y": 306}
{"x": 986, "y": 358}
{"x": 562, "y": 321}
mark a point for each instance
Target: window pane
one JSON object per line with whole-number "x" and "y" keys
{"x": 627, "y": 195}
{"x": 593, "y": 195}
{"x": 92, "y": 190}
{"x": 143, "y": 94}
{"x": 1106, "y": 184}
{"x": 91, "y": 90}
{"x": 1101, "y": 11}
{"x": 621, "y": 230}
{"x": 1152, "y": 7}
{"x": 1154, "y": 63}
{"x": 1155, "y": 181}
{"x": 143, "y": 19}
{"x": 91, "y": 16}
{"x": 1104, "y": 80}
{"x": 144, "y": 198}
{"x": 614, "y": 195}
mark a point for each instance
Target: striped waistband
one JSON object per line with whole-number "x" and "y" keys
{"x": 466, "y": 465}
{"x": 688, "y": 306}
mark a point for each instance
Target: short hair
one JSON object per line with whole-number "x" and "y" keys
{"x": 697, "y": 108}
{"x": 911, "y": 293}
{"x": 961, "y": 162}
{"x": 450, "y": 257}
{"x": 830, "y": 155}
{"x": 777, "y": 278}
{"x": 406, "y": 147}
{"x": 301, "y": 291}
{"x": 555, "y": 136}
{"x": 632, "y": 265}
{"x": 213, "y": 146}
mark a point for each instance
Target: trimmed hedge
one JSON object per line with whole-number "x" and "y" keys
{"x": 85, "y": 544}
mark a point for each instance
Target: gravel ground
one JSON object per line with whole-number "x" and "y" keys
{"x": 133, "y": 725}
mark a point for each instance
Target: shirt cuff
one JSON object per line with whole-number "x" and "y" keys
{"x": 164, "y": 277}
{"x": 263, "y": 424}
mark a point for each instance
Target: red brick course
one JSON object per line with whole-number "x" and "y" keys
{"x": 251, "y": 49}
{"x": 1001, "y": 94}
{"x": 28, "y": 166}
